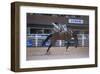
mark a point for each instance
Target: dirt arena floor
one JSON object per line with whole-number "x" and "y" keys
{"x": 39, "y": 53}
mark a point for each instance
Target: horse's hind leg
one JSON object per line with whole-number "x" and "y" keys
{"x": 76, "y": 43}
{"x": 67, "y": 46}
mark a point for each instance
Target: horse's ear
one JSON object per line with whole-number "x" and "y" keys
{"x": 55, "y": 22}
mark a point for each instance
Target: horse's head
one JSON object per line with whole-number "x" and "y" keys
{"x": 71, "y": 34}
{"x": 74, "y": 35}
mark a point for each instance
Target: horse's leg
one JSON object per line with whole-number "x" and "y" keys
{"x": 76, "y": 43}
{"x": 49, "y": 47}
{"x": 67, "y": 46}
{"x": 47, "y": 52}
{"x": 52, "y": 43}
{"x": 46, "y": 39}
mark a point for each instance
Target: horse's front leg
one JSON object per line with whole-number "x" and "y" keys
{"x": 47, "y": 52}
{"x": 52, "y": 44}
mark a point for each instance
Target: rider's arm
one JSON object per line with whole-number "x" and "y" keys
{"x": 55, "y": 26}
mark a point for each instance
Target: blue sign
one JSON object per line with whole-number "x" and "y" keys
{"x": 76, "y": 21}
{"x": 29, "y": 43}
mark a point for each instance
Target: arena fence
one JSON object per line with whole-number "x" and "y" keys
{"x": 35, "y": 40}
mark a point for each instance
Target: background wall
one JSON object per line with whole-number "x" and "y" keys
{"x": 5, "y": 26}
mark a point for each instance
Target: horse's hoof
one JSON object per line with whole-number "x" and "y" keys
{"x": 47, "y": 53}
{"x": 75, "y": 46}
{"x": 67, "y": 52}
{"x": 66, "y": 49}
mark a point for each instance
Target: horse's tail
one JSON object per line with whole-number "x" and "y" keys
{"x": 46, "y": 39}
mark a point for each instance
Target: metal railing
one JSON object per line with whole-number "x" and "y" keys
{"x": 37, "y": 39}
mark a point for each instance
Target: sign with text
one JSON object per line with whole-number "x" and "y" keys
{"x": 76, "y": 21}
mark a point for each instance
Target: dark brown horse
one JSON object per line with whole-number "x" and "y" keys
{"x": 61, "y": 36}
